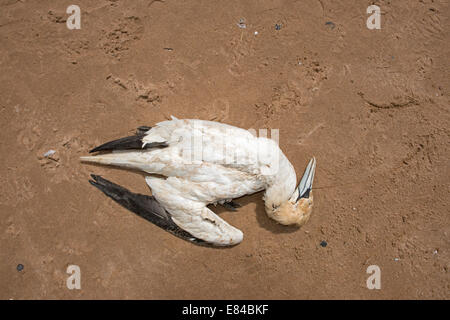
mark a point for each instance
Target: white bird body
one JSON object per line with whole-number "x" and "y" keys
{"x": 203, "y": 162}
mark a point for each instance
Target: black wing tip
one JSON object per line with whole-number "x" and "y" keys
{"x": 94, "y": 150}
{"x": 98, "y": 179}
{"x": 105, "y": 186}
{"x": 100, "y": 148}
{"x": 94, "y": 180}
{"x": 144, "y": 206}
{"x": 129, "y": 143}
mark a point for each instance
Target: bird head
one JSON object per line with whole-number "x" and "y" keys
{"x": 297, "y": 209}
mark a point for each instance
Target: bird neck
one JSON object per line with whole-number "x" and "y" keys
{"x": 281, "y": 185}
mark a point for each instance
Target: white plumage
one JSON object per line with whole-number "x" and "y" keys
{"x": 201, "y": 162}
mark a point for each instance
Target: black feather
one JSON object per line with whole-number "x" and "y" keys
{"x": 128, "y": 143}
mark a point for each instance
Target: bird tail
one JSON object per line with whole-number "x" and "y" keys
{"x": 130, "y": 159}
{"x": 128, "y": 151}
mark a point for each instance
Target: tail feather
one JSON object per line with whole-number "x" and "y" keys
{"x": 131, "y": 159}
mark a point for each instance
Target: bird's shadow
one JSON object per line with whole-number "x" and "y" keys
{"x": 261, "y": 216}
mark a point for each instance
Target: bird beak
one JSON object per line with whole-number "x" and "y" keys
{"x": 305, "y": 185}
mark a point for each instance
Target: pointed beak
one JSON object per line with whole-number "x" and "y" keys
{"x": 305, "y": 185}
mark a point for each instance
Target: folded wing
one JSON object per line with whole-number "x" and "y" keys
{"x": 187, "y": 219}
{"x": 191, "y": 215}
{"x": 144, "y": 206}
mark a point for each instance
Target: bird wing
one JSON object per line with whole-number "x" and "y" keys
{"x": 144, "y": 206}
{"x": 131, "y": 142}
{"x": 193, "y": 142}
{"x": 187, "y": 219}
{"x": 191, "y": 215}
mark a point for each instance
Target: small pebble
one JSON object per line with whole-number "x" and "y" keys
{"x": 256, "y": 33}
{"x": 20, "y": 267}
{"x": 330, "y": 24}
{"x": 323, "y": 243}
{"x": 396, "y": 259}
{"x": 242, "y": 24}
{"x": 49, "y": 153}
